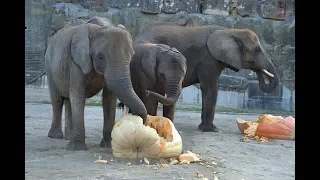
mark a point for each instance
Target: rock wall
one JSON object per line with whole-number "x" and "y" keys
{"x": 273, "y": 23}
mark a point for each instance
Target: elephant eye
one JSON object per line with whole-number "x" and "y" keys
{"x": 256, "y": 50}
{"x": 100, "y": 56}
{"x": 162, "y": 76}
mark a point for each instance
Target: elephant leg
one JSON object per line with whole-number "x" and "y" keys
{"x": 168, "y": 111}
{"x": 209, "y": 97}
{"x": 68, "y": 119}
{"x": 77, "y": 100}
{"x": 57, "y": 103}
{"x": 109, "y": 102}
{"x": 209, "y": 91}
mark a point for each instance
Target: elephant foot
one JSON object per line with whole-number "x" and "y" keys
{"x": 67, "y": 136}
{"x": 105, "y": 144}
{"x": 106, "y": 141}
{"x": 55, "y": 133}
{"x": 208, "y": 128}
{"x": 76, "y": 146}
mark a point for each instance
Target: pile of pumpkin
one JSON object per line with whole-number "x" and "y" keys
{"x": 268, "y": 127}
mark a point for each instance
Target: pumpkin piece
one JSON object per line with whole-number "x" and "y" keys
{"x": 242, "y": 124}
{"x": 198, "y": 174}
{"x": 247, "y": 127}
{"x": 263, "y": 139}
{"x": 164, "y": 165}
{"x": 174, "y": 161}
{"x": 245, "y": 139}
{"x": 101, "y": 161}
{"x": 256, "y": 137}
{"x": 284, "y": 129}
{"x": 132, "y": 139}
{"x": 146, "y": 161}
{"x": 185, "y": 162}
{"x": 189, "y": 157}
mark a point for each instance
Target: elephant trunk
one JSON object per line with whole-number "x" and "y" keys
{"x": 173, "y": 92}
{"x": 121, "y": 85}
{"x": 271, "y": 74}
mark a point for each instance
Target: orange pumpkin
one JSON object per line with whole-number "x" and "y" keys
{"x": 269, "y": 126}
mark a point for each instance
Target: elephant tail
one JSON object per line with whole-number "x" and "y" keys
{"x": 34, "y": 79}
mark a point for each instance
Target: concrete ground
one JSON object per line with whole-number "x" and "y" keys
{"x": 47, "y": 158}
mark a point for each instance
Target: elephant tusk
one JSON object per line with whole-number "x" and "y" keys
{"x": 267, "y": 73}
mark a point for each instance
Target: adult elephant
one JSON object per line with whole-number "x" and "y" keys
{"x": 157, "y": 70}
{"x": 208, "y": 50}
{"x": 80, "y": 61}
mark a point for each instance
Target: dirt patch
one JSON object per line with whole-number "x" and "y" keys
{"x": 47, "y": 158}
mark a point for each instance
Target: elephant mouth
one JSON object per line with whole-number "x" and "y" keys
{"x": 268, "y": 81}
{"x": 265, "y": 75}
{"x": 233, "y": 68}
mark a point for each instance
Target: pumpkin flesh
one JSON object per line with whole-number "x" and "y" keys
{"x": 170, "y": 139}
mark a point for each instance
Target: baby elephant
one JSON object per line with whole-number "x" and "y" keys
{"x": 157, "y": 72}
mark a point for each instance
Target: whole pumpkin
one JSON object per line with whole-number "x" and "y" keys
{"x": 157, "y": 138}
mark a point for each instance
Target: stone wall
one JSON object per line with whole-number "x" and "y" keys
{"x": 275, "y": 29}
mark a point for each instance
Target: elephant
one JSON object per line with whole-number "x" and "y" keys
{"x": 157, "y": 70}
{"x": 80, "y": 61}
{"x": 209, "y": 49}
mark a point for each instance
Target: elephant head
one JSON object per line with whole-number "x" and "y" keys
{"x": 108, "y": 50}
{"x": 167, "y": 66}
{"x": 241, "y": 49}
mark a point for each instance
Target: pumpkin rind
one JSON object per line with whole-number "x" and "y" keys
{"x": 132, "y": 139}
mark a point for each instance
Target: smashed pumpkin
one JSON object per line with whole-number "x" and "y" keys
{"x": 269, "y": 126}
{"x": 157, "y": 138}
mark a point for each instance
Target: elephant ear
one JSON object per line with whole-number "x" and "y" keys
{"x": 223, "y": 47}
{"x": 149, "y": 62}
{"x": 80, "y": 49}
{"x": 175, "y": 50}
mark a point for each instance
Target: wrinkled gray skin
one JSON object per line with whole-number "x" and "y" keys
{"x": 80, "y": 61}
{"x": 157, "y": 70}
{"x": 208, "y": 50}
